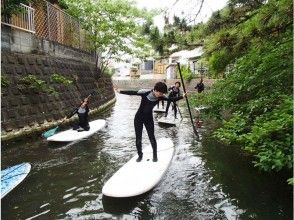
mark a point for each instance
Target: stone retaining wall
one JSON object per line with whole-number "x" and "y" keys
{"x": 25, "y": 110}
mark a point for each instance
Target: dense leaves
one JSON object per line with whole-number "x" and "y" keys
{"x": 11, "y": 7}
{"x": 258, "y": 92}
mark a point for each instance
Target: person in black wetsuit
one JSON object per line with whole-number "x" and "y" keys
{"x": 174, "y": 92}
{"x": 200, "y": 86}
{"x": 82, "y": 112}
{"x": 144, "y": 115}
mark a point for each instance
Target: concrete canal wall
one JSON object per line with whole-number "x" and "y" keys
{"x": 25, "y": 109}
{"x": 137, "y": 84}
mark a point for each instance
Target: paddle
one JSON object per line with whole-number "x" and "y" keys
{"x": 52, "y": 131}
{"x": 187, "y": 101}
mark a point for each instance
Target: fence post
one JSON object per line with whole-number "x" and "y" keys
{"x": 48, "y": 20}
{"x": 79, "y": 36}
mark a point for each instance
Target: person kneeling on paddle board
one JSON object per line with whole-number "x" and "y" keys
{"x": 144, "y": 115}
{"x": 174, "y": 92}
{"x": 82, "y": 112}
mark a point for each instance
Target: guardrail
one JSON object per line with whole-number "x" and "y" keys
{"x": 49, "y": 22}
{"x": 23, "y": 20}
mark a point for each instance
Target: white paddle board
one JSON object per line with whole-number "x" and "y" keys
{"x": 12, "y": 176}
{"x": 136, "y": 178}
{"x": 74, "y": 135}
{"x": 169, "y": 120}
{"x": 159, "y": 110}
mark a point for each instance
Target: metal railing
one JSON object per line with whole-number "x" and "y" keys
{"x": 24, "y": 20}
{"x": 49, "y": 22}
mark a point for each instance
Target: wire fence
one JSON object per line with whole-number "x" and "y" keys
{"x": 49, "y": 22}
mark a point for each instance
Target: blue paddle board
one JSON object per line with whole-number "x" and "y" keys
{"x": 12, "y": 176}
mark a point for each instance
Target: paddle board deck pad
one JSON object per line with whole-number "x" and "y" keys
{"x": 158, "y": 110}
{"x": 12, "y": 176}
{"x": 74, "y": 135}
{"x": 135, "y": 178}
{"x": 169, "y": 120}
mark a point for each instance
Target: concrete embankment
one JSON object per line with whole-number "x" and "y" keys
{"x": 137, "y": 83}
{"x": 28, "y": 63}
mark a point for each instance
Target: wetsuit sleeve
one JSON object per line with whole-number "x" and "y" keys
{"x": 129, "y": 92}
{"x": 141, "y": 92}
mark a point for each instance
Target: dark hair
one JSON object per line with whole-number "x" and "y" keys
{"x": 178, "y": 83}
{"x": 160, "y": 87}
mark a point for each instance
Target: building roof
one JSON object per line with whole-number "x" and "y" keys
{"x": 197, "y": 52}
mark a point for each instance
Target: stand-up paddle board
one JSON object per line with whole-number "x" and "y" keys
{"x": 169, "y": 120}
{"x": 74, "y": 135}
{"x": 12, "y": 176}
{"x": 159, "y": 110}
{"x": 136, "y": 178}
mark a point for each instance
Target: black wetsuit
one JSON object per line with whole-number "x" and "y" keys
{"x": 175, "y": 92}
{"x": 83, "y": 118}
{"x": 144, "y": 116}
{"x": 199, "y": 87}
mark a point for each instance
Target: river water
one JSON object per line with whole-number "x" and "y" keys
{"x": 206, "y": 180}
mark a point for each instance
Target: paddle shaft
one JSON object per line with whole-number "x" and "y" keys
{"x": 187, "y": 101}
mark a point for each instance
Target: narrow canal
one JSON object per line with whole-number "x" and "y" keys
{"x": 205, "y": 180}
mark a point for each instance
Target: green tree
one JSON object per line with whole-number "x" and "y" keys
{"x": 113, "y": 26}
{"x": 258, "y": 91}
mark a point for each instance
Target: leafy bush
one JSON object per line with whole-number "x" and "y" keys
{"x": 31, "y": 82}
{"x": 258, "y": 91}
{"x": 60, "y": 79}
{"x": 4, "y": 81}
{"x": 186, "y": 73}
{"x": 11, "y": 7}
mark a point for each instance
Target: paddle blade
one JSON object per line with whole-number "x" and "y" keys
{"x": 50, "y": 132}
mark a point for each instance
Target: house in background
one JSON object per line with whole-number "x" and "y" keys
{"x": 184, "y": 57}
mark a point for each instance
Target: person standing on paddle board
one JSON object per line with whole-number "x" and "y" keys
{"x": 200, "y": 86}
{"x": 144, "y": 115}
{"x": 82, "y": 112}
{"x": 174, "y": 92}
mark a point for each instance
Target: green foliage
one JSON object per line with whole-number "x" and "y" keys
{"x": 258, "y": 91}
{"x": 177, "y": 33}
{"x": 114, "y": 26}
{"x": 290, "y": 181}
{"x": 109, "y": 71}
{"x": 31, "y": 82}
{"x": 11, "y": 7}
{"x": 186, "y": 73}
{"x": 4, "y": 81}
{"x": 251, "y": 3}
{"x": 260, "y": 88}
{"x": 237, "y": 28}
{"x": 60, "y": 79}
